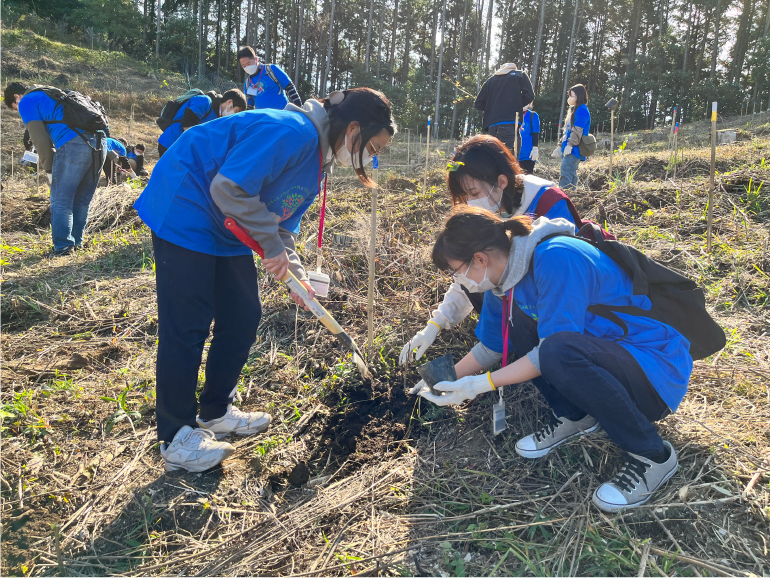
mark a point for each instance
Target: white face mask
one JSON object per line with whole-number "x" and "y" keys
{"x": 489, "y": 203}
{"x": 471, "y": 285}
{"x": 346, "y": 159}
{"x": 228, "y": 111}
{"x": 250, "y": 69}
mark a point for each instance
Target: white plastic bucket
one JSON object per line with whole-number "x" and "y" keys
{"x": 30, "y": 157}
{"x": 320, "y": 283}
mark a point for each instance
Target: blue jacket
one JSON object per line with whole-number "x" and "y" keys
{"x": 262, "y": 92}
{"x": 530, "y": 124}
{"x": 569, "y": 276}
{"x": 271, "y": 154}
{"x": 116, "y": 145}
{"x": 488, "y": 328}
{"x": 583, "y": 120}
{"x": 201, "y": 105}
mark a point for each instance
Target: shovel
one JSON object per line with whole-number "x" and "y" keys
{"x": 315, "y": 307}
{"x": 438, "y": 370}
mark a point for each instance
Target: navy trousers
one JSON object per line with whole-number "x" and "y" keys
{"x": 582, "y": 374}
{"x": 193, "y": 289}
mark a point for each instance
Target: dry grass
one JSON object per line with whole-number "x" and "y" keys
{"x": 399, "y": 487}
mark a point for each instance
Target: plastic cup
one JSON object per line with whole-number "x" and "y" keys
{"x": 438, "y": 370}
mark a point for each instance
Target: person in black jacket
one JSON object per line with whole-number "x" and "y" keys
{"x": 503, "y": 95}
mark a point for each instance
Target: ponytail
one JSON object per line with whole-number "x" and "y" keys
{"x": 470, "y": 230}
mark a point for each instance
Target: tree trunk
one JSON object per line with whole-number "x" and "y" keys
{"x": 569, "y": 59}
{"x": 632, "y": 43}
{"x": 328, "y": 53}
{"x": 536, "y": 60}
{"x": 459, "y": 76}
{"x": 438, "y": 79}
{"x": 379, "y": 37}
{"x": 715, "y": 48}
{"x": 200, "y": 40}
{"x": 301, "y": 19}
{"x": 489, "y": 36}
{"x": 433, "y": 48}
{"x": 702, "y": 50}
{"x": 267, "y": 31}
{"x": 476, "y": 55}
{"x": 407, "y": 36}
{"x": 742, "y": 40}
{"x": 369, "y": 33}
{"x": 393, "y": 41}
{"x": 219, "y": 36}
{"x": 157, "y": 31}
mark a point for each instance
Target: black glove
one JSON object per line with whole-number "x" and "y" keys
{"x": 189, "y": 119}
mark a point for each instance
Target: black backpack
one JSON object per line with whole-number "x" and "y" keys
{"x": 167, "y": 114}
{"x": 676, "y": 300}
{"x": 80, "y": 113}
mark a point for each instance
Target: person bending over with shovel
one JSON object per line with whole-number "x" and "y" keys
{"x": 590, "y": 371}
{"x": 263, "y": 168}
{"x": 484, "y": 174}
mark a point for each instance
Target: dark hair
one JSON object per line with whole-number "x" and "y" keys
{"x": 370, "y": 109}
{"x": 470, "y": 230}
{"x": 236, "y": 96}
{"x": 10, "y": 91}
{"x": 122, "y": 141}
{"x": 246, "y": 52}
{"x": 485, "y": 158}
{"x": 582, "y": 98}
{"x": 139, "y": 147}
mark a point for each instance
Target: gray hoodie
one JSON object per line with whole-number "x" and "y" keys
{"x": 522, "y": 249}
{"x": 252, "y": 214}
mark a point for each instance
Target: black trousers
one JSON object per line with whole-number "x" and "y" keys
{"x": 161, "y": 150}
{"x": 506, "y": 133}
{"x": 583, "y": 374}
{"x": 193, "y": 289}
{"x": 528, "y": 166}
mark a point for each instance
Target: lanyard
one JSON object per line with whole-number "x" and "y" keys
{"x": 261, "y": 71}
{"x": 507, "y": 308}
{"x": 321, "y": 175}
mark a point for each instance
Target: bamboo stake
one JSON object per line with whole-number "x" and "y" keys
{"x": 13, "y": 156}
{"x": 408, "y": 144}
{"x": 427, "y": 155}
{"x": 372, "y": 254}
{"x": 130, "y": 121}
{"x": 671, "y": 133}
{"x": 612, "y": 138}
{"x": 713, "y": 169}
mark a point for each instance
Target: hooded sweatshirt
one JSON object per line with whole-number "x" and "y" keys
{"x": 567, "y": 276}
{"x": 504, "y": 95}
{"x": 261, "y": 167}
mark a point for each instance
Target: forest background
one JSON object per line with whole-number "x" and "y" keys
{"x": 653, "y": 55}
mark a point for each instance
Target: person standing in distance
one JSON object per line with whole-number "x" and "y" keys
{"x": 504, "y": 95}
{"x": 576, "y": 124}
{"x": 530, "y": 138}
{"x": 266, "y": 85}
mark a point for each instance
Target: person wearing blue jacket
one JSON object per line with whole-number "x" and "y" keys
{"x": 576, "y": 124}
{"x": 116, "y": 159}
{"x": 263, "y": 168}
{"x": 484, "y": 174}
{"x": 71, "y": 159}
{"x": 200, "y": 109}
{"x": 530, "y": 138}
{"x": 590, "y": 371}
{"x": 266, "y": 85}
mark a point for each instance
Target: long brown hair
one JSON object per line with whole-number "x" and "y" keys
{"x": 470, "y": 230}
{"x": 582, "y": 98}
{"x": 371, "y": 110}
{"x": 485, "y": 158}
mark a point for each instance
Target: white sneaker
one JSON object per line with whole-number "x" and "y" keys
{"x": 635, "y": 482}
{"x": 236, "y": 421}
{"x": 194, "y": 450}
{"x": 555, "y": 433}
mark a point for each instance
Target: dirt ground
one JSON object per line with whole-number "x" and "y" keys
{"x": 358, "y": 477}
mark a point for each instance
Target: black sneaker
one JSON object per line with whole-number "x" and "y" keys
{"x": 61, "y": 252}
{"x": 635, "y": 483}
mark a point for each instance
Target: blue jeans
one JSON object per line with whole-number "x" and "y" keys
{"x": 583, "y": 374}
{"x": 76, "y": 170}
{"x": 569, "y": 166}
{"x": 194, "y": 288}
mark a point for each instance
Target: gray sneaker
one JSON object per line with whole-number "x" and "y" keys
{"x": 555, "y": 433}
{"x": 194, "y": 450}
{"x": 237, "y": 422}
{"x": 635, "y": 483}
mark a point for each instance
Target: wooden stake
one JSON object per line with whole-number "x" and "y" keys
{"x": 372, "y": 256}
{"x": 130, "y": 121}
{"x": 713, "y": 170}
{"x": 427, "y": 155}
{"x": 612, "y": 139}
{"x": 671, "y": 133}
{"x": 13, "y": 157}
{"x": 408, "y": 144}
{"x": 516, "y": 138}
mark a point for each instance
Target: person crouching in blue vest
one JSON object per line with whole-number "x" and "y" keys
{"x": 263, "y": 168}
{"x": 484, "y": 174}
{"x": 71, "y": 159}
{"x": 266, "y": 85}
{"x": 116, "y": 160}
{"x": 590, "y": 371}
{"x": 576, "y": 124}
{"x": 200, "y": 109}
{"x": 530, "y": 138}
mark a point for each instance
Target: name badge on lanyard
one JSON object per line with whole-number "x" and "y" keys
{"x": 498, "y": 409}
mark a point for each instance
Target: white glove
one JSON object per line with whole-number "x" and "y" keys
{"x": 421, "y": 341}
{"x": 535, "y": 154}
{"x": 568, "y": 150}
{"x": 458, "y": 391}
{"x": 421, "y": 385}
{"x": 50, "y": 178}
{"x": 556, "y": 153}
